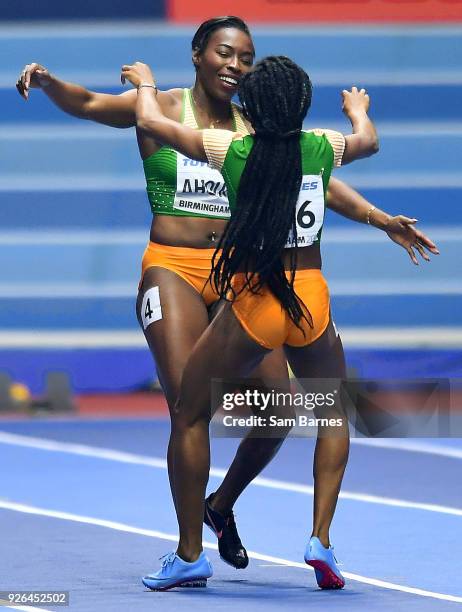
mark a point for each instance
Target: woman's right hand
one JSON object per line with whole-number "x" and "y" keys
{"x": 33, "y": 75}
{"x": 363, "y": 141}
{"x": 137, "y": 73}
{"x": 354, "y": 101}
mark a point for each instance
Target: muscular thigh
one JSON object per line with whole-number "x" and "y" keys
{"x": 324, "y": 358}
{"x": 172, "y": 337}
{"x": 273, "y": 366}
{"x": 224, "y": 351}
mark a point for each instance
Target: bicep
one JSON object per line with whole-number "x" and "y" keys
{"x": 356, "y": 147}
{"x": 113, "y": 110}
{"x": 180, "y": 137}
{"x": 119, "y": 110}
{"x": 189, "y": 141}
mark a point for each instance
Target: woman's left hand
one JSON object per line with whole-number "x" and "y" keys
{"x": 402, "y": 231}
{"x": 137, "y": 73}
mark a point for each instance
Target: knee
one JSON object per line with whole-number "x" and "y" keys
{"x": 259, "y": 449}
{"x": 184, "y": 415}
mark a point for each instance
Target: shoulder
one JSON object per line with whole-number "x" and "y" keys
{"x": 171, "y": 102}
{"x": 335, "y": 139}
{"x": 217, "y": 144}
{"x": 172, "y": 96}
{"x": 323, "y": 134}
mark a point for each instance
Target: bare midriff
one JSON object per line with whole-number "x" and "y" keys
{"x": 205, "y": 233}
{"x": 188, "y": 232}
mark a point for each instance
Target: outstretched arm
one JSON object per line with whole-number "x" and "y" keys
{"x": 349, "y": 203}
{"x": 364, "y": 141}
{"x": 151, "y": 120}
{"x": 113, "y": 110}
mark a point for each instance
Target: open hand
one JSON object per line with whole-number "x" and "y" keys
{"x": 401, "y": 230}
{"x": 354, "y": 101}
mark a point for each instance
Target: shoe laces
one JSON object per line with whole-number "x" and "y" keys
{"x": 335, "y": 558}
{"x": 168, "y": 558}
{"x": 331, "y": 548}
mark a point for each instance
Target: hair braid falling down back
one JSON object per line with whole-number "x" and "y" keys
{"x": 275, "y": 96}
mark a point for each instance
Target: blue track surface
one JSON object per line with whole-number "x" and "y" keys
{"x": 101, "y": 567}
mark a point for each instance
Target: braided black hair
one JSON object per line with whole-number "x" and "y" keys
{"x": 275, "y": 96}
{"x": 207, "y": 28}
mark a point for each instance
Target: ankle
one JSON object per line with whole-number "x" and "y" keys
{"x": 188, "y": 554}
{"x": 322, "y": 536}
{"x": 216, "y": 503}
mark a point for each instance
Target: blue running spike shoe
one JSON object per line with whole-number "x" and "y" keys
{"x": 176, "y": 572}
{"x": 328, "y": 575}
{"x": 229, "y": 543}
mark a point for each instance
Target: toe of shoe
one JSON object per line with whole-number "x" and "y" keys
{"x": 239, "y": 559}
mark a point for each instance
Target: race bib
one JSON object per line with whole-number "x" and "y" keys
{"x": 151, "y": 310}
{"x": 309, "y": 212}
{"x": 200, "y": 189}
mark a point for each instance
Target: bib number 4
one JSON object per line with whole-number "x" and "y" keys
{"x": 151, "y": 310}
{"x": 148, "y": 311}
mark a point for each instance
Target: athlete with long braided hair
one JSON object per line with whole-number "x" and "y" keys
{"x": 177, "y": 261}
{"x": 269, "y": 271}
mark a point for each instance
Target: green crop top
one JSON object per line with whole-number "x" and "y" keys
{"x": 179, "y": 186}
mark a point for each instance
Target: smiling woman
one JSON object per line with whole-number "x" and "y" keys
{"x": 223, "y": 55}
{"x": 189, "y": 220}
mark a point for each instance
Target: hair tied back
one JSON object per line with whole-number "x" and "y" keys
{"x": 276, "y": 136}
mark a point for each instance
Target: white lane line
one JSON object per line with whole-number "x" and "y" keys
{"x": 100, "y": 78}
{"x": 76, "y": 518}
{"x": 398, "y": 338}
{"x": 139, "y": 237}
{"x": 411, "y": 446}
{"x": 353, "y": 288}
{"x": 355, "y": 234}
{"x": 63, "y": 237}
{"x": 71, "y": 183}
{"x": 73, "y": 290}
{"x": 402, "y": 337}
{"x": 65, "y": 131}
{"x": 83, "y": 181}
{"x": 365, "y": 286}
{"x": 52, "y": 131}
{"x": 4, "y": 604}
{"x": 362, "y": 76}
{"x": 157, "y": 462}
{"x": 401, "y": 180}
{"x": 69, "y": 339}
